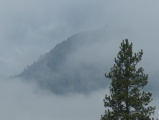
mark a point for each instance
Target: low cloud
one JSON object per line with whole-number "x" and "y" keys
{"x": 23, "y": 101}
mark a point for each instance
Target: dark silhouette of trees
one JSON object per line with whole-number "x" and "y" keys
{"x": 127, "y": 99}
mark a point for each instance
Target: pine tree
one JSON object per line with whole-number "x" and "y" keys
{"x": 127, "y": 99}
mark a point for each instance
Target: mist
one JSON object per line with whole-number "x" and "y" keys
{"x": 30, "y": 28}
{"x": 20, "y": 100}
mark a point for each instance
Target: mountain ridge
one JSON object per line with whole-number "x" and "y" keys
{"x": 66, "y": 69}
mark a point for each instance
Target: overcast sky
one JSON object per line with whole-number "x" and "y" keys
{"x": 30, "y": 28}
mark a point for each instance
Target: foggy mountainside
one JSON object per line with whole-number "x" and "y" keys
{"x": 72, "y": 66}
{"x": 78, "y": 64}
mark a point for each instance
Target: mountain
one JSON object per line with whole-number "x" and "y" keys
{"x": 74, "y": 65}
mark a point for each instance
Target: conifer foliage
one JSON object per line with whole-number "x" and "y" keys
{"x": 127, "y": 99}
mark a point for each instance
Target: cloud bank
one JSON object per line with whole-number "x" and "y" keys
{"x": 20, "y": 100}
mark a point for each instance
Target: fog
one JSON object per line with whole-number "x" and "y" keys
{"x": 21, "y": 100}
{"x": 30, "y": 28}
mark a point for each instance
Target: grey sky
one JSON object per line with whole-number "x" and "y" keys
{"x": 30, "y": 28}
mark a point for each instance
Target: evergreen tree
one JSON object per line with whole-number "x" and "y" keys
{"x": 127, "y": 99}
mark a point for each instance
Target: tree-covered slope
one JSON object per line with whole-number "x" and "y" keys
{"x": 74, "y": 65}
